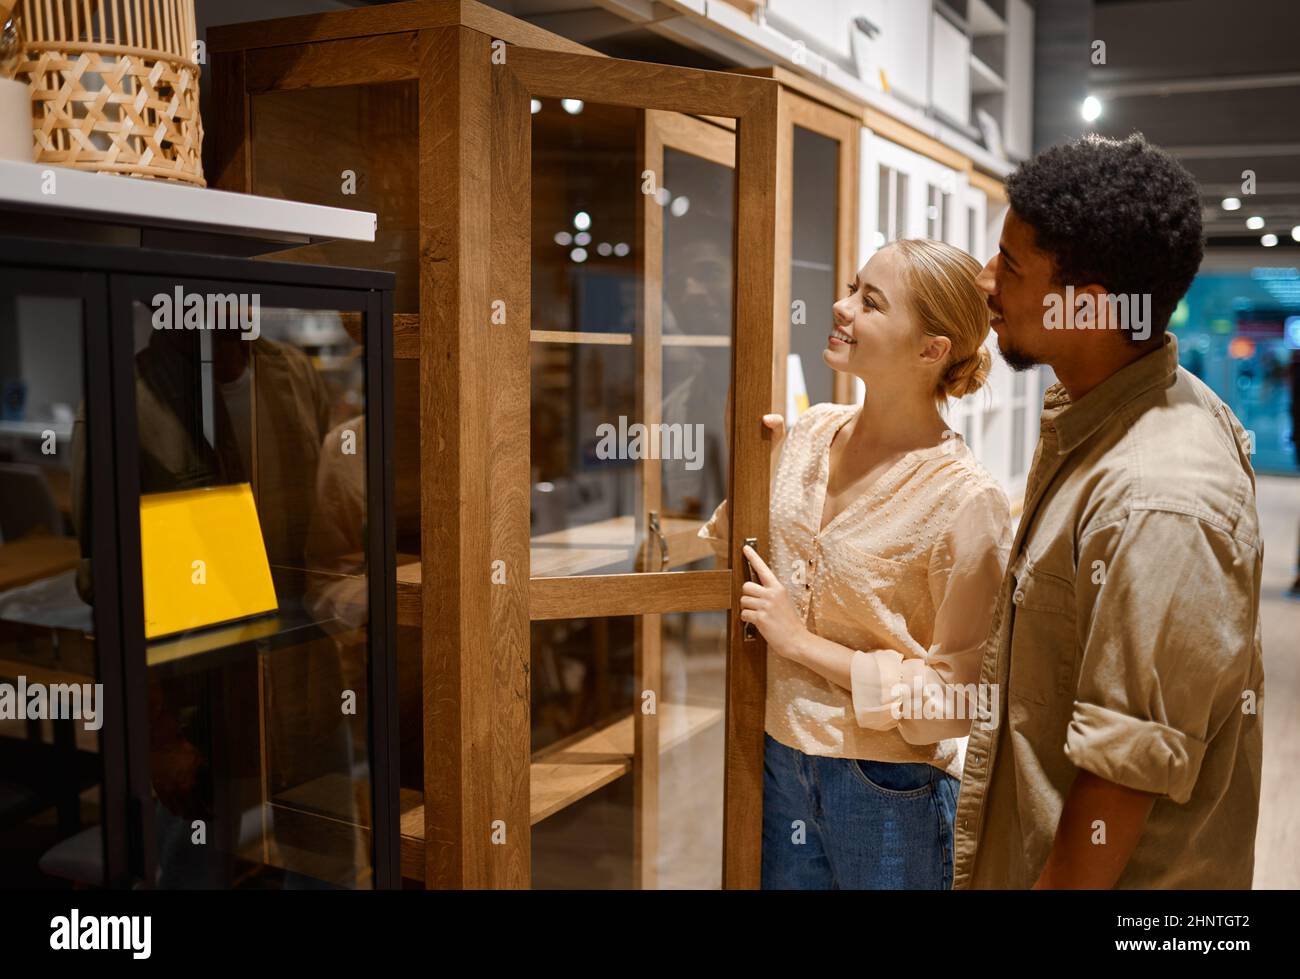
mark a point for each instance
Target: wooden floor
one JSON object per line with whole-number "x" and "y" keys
{"x": 1277, "y": 844}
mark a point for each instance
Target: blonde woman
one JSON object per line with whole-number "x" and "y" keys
{"x": 888, "y": 543}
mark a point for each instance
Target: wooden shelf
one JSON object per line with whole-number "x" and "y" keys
{"x": 406, "y": 337}
{"x": 577, "y": 336}
{"x": 983, "y": 79}
{"x": 31, "y": 558}
{"x": 984, "y": 19}
{"x": 573, "y": 551}
{"x": 689, "y": 340}
{"x": 564, "y": 773}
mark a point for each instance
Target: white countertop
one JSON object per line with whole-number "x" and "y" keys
{"x": 163, "y": 204}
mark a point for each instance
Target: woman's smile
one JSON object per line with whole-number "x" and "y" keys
{"x": 839, "y": 336}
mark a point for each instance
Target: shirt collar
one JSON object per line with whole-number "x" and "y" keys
{"x": 1075, "y": 421}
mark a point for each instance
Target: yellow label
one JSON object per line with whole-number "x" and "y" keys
{"x": 204, "y": 560}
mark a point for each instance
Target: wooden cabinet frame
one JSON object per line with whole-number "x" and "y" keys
{"x": 472, "y": 827}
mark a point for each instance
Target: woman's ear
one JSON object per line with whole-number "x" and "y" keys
{"x": 935, "y": 350}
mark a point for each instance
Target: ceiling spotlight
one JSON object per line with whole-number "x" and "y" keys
{"x": 1091, "y": 109}
{"x": 582, "y": 238}
{"x": 563, "y": 238}
{"x": 578, "y": 254}
{"x": 605, "y": 249}
{"x": 680, "y": 206}
{"x": 536, "y": 105}
{"x": 1254, "y": 222}
{"x": 1231, "y": 203}
{"x": 571, "y": 106}
{"x": 1268, "y": 240}
{"x": 582, "y": 220}
{"x": 621, "y": 249}
{"x": 1295, "y": 233}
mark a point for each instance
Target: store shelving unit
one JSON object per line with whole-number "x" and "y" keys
{"x": 224, "y": 759}
{"x": 579, "y": 656}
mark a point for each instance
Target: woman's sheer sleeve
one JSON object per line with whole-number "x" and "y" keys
{"x": 933, "y": 696}
{"x": 717, "y": 528}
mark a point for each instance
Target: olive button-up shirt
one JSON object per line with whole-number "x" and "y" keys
{"x": 1126, "y": 639}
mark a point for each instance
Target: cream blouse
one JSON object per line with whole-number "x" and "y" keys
{"x": 907, "y": 576}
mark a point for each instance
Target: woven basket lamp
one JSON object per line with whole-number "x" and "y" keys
{"x": 113, "y": 86}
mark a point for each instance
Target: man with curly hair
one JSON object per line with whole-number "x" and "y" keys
{"x": 1126, "y": 638}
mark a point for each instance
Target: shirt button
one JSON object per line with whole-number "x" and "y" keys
{"x": 1018, "y": 597}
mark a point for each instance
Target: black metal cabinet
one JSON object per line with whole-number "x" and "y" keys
{"x": 197, "y": 609}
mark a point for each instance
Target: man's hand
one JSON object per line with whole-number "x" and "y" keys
{"x": 1095, "y": 810}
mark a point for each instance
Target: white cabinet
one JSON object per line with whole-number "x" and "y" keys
{"x": 950, "y": 81}
{"x": 907, "y": 195}
{"x": 1018, "y": 124}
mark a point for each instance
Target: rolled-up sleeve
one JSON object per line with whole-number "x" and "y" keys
{"x": 1166, "y": 614}
{"x": 931, "y": 697}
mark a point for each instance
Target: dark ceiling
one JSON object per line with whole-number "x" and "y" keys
{"x": 1217, "y": 82}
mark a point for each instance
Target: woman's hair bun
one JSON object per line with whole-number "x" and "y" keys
{"x": 942, "y": 287}
{"x": 968, "y": 376}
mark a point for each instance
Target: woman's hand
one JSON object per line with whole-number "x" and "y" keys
{"x": 769, "y": 607}
{"x": 776, "y": 423}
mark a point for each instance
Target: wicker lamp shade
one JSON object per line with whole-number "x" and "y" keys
{"x": 113, "y": 85}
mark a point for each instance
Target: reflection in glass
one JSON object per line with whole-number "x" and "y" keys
{"x": 51, "y": 769}
{"x": 812, "y": 255}
{"x": 358, "y": 167}
{"x": 698, "y": 267}
{"x": 623, "y": 797}
{"x": 259, "y": 748}
{"x": 629, "y": 377}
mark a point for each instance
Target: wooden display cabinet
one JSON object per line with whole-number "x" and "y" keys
{"x": 592, "y": 713}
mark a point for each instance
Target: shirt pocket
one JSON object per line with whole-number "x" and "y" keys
{"x": 855, "y": 588}
{"x": 1042, "y": 637}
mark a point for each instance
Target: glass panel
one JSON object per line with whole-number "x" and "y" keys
{"x": 1018, "y": 380}
{"x": 51, "y": 770}
{"x": 884, "y": 206}
{"x": 257, "y": 633}
{"x": 812, "y": 275}
{"x": 933, "y": 212}
{"x": 368, "y": 163}
{"x": 613, "y": 808}
{"x": 1017, "y": 441}
{"x": 628, "y": 419}
{"x": 901, "y": 227}
{"x": 698, "y": 268}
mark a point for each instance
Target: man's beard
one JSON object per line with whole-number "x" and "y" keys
{"x": 1016, "y": 359}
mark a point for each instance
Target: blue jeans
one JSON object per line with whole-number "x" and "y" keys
{"x": 841, "y": 823}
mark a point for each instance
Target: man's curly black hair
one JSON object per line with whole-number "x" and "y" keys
{"x": 1121, "y": 213}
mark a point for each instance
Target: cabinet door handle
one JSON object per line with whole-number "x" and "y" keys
{"x": 659, "y": 536}
{"x": 749, "y": 633}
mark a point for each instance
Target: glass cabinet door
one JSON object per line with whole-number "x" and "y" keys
{"x": 62, "y": 764}
{"x": 643, "y": 354}
{"x": 631, "y": 339}
{"x": 253, "y": 410}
